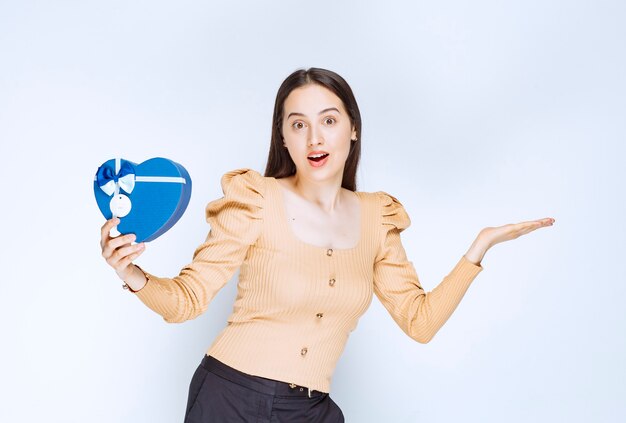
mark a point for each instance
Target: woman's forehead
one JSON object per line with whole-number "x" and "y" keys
{"x": 311, "y": 99}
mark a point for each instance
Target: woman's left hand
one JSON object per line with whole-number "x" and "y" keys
{"x": 491, "y": 236}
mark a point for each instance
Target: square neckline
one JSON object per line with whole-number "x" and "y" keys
{"x": 295, "y": 239}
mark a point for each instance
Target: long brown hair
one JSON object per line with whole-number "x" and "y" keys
{"x": 279, "y": 163}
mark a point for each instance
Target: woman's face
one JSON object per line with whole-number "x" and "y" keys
{"x": 315, "y": 120}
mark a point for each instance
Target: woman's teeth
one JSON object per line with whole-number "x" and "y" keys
{"x": 318, "y": 157}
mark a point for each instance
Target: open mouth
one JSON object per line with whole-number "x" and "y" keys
{"x": 318, "y": 160}
{"x": 318, "y": 157}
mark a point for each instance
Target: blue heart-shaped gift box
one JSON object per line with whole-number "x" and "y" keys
{"x": 148, "y": 198}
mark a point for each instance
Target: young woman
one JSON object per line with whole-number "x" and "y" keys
{"x": 312, "y": 251}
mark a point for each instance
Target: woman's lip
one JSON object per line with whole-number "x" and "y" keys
{"x": 313, "y": 153}
{"x": 319, "y": 163}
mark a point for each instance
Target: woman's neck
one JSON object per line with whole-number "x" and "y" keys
{"x": 327, "y": 195}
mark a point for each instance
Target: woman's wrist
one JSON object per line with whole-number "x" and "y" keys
{"x": 477, "y": 251}
{"x": 136, "y": 280}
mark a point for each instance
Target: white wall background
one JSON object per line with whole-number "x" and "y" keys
{"x": 474, "y": 114}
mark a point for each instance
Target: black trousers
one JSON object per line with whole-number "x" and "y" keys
{"x": 222, "y": 394}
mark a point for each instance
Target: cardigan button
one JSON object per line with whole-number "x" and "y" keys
{"x": 320, "y": 315}
{"x": 331, "y": 282}
{"x": 303, "y": 351}
{"x": 329, "y": 252}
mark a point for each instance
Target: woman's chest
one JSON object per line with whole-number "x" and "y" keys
{"x": 307, "y": 223}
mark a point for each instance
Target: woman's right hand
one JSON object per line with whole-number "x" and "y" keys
{"x": 119, "y": 251}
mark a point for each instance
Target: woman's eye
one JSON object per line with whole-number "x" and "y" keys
{"x": 300, "y": 125}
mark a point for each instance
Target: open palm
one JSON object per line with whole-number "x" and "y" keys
{"x": 495, "y": 235}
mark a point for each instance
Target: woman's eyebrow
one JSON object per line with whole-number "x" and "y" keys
{"x": 323, "y": 111}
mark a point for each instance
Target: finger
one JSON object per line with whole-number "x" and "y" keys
{"x": 114, "y": 246}
{"x": 533, "y": 225}
{"x": 122, "y": 240}
{"x": 515, "y": 230}
{"x": 528, "y": 229}
{"x": 115, "y": 243}
{"x": 123, "y": 263}
{"x": 121, "y": 253}
{"x": 106, "y": 228}
{"x": 527, "y": 223}
{"x": 545, "y": 220}
{"x": 524, "y": 227}
{"x": 541, "y": 222}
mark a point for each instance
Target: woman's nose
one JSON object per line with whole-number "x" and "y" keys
{"x": 315, "y": 136}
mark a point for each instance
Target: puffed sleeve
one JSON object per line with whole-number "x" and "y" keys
{"x": 235, "y": 224}
{"x": 420, "y": 314}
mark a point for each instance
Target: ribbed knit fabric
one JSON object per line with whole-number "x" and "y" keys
{"x": 296, "y": 302}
